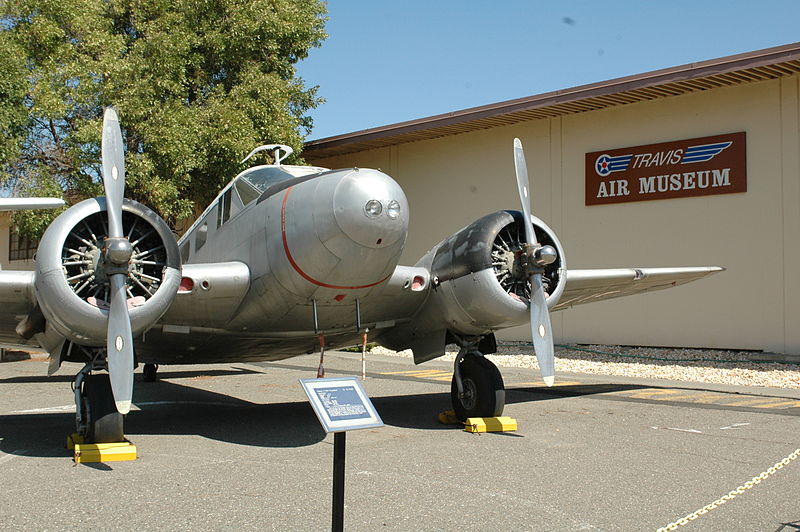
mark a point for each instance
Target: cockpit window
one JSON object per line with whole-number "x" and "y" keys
{"x": 264, "y": 176}
{"x": 252, "y": 182}
{"x": 247, "y": 192}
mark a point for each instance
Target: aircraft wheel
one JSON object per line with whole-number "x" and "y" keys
{"x": 149, "y": 372}
{"x": 105, "y": 424}
{"x": 484, "y": 391}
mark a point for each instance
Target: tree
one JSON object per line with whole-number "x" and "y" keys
{"x": 197, "y": 84}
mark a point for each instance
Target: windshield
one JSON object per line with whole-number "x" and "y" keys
{"x": 264, "y": 176}
{"x": 252, "y": 182}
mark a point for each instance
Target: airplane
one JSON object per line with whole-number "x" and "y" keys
{"x": 289, "y": 260}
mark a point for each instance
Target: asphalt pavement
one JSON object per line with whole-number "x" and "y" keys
{"x": 239, "y": 447}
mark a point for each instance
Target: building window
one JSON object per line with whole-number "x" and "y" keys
{"x": 20, "y": 247}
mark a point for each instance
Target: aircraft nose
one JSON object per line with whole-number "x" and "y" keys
{"x": 371, "y": 208}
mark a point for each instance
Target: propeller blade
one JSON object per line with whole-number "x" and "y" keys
{"x": 119, "y": 339}
{"x": 113, "y": 170}
{"x": 120, "y": 345}
{"x": 523, "y": 186}
{"x": 541, "y": 334}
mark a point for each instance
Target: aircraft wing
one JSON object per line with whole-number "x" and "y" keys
{"x": 588, "y": 286}
{"x": 23, "y": 204}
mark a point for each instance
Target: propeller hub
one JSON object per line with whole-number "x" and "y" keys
{"x": 118, "y": 250}
{"x": 544, "y": 256}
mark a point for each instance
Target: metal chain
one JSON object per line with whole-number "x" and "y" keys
{"x": 738, "y": 491}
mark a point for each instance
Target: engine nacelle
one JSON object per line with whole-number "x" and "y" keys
{"x": 479, "y": 283}
{"x": 71, "y": 286}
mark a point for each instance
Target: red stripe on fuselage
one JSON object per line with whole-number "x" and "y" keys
{"x": 297, "y": 268}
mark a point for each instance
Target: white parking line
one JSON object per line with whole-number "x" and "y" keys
{"x": 137, "y": 406}
{"x": 679, "y": 430}
{"x": 13, "y": 454}
{"x": 734, "y": 426}
{"x": 64, "y": 408}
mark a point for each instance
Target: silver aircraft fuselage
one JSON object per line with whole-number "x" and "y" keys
{"x": 312, "y": 254}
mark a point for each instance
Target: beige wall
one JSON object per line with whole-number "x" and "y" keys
{"x": 5, "y": 219}
{"x": 754, "y": 305}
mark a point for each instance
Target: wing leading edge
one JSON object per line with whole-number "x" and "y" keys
{"x": 588, "y": 286}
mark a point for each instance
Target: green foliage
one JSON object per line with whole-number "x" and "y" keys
{"x": 197, "y": 85}
{"x": 358, "y": 348}
{"x": 38, "y": 183}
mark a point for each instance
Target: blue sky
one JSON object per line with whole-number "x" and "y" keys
{"x": 386, "y": 62}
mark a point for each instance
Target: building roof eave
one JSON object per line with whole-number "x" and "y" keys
{"x": 736, "y": 69}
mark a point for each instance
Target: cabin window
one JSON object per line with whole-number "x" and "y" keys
{"x": 200, "y": 236}
{"x": 20, "y": 247}
{"x": 224, "y": 208}
{"x": 185, "y": 252}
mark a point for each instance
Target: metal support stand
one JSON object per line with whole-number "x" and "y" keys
{"x": 321, "y": 368}
{"x": 337, "y": 523}
{"x": 364, "y": 356}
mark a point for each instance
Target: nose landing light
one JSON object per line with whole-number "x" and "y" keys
{"x": 373, "y": 208}
{"x": 393, "y": 209}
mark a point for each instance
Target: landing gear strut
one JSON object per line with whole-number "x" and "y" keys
{"x": 97, "y": 418}
{"x": 481, "y": 392}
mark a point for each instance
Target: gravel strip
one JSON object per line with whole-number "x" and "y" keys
{"x": 688, "y": 365}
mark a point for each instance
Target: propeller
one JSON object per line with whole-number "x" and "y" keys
{"x": 535, "y": 257}
{"x": 117, "y": 253}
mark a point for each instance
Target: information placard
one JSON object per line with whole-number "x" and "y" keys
{"x": 341, "y": 404}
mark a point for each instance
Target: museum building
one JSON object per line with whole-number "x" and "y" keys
{"x": 695, "y": 165}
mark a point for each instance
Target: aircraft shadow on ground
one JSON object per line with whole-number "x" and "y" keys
{"x": 168, "y": 408}
{"x": 413, "y": 411}
{"x": 29, "y": 379}
{"x": 540, "y": 393}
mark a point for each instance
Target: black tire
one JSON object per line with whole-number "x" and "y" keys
{"x": 105, "y": 424}
{"x": 484, "y": 391}
{"x": 150, "y": 372}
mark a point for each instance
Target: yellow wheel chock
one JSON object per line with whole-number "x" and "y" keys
{"x": 490, "y": 424}
{"x": 100, "y": 452}
{"x": 480, "y": 424}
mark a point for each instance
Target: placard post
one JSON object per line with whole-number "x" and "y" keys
{"x": 341, "y": 404}
{"x": 339, "y": 440}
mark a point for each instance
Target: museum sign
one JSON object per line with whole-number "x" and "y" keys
{"x": 696, "y": 167}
